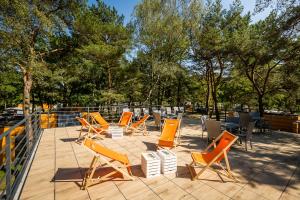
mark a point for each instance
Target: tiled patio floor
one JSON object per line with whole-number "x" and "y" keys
{"x": 269, "y": 171}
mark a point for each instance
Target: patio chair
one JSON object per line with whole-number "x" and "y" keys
{"x": 145, "y": 111}
{"x": 202, "y": 123}
{"x": 139, "y": 126}
{"x": 157, "y": 119}
{"x": 137, "y": 113}
{"x": 176, "y": 110}
{"x": 219, "y": 152}
{"x": 101, "y": 156}
{"x": 247, "y": 135}
{"x": 168, "y": 110}
{"x": 125, "y": 120}
{"x": 245, "y": 119}
{"x": 167, "y": 137}
{"x": 213, "y": 129}
{"x": 92, "y": 131}
{"x": 126, "y": 110}
{"x": 97, "y": 118}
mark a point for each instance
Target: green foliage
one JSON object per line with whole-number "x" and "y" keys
{"x": 172, "y": 52}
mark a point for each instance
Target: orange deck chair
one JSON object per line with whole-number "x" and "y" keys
{"x": 101, "y": 154}
{"x": 98, "y": 119}
{"x": 215, "y": 156}
{"x": 139, "y": 126}
{"x": 167, "y": 137}
{"x": 125, "y": 120}
{"x": 92, "y": 131}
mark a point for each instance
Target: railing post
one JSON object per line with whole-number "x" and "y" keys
{"x": 8, "y": 166}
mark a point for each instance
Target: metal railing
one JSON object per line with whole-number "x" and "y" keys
{"x": 17, "y": 147}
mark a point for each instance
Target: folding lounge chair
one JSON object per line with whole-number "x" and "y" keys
{"x": 92, "y": 131}
{"x": 101, "y": 154}
{"x": 97, "y": 118}
{"x": 140, "y": 126}
{"x": 167, "y": 137}
{"x": 215, "y": 156}
{"x": 125, "y": 120}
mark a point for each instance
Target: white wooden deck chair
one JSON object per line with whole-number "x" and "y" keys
{"x": 100, "y": 159}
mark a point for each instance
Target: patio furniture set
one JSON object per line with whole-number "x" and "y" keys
{"x": 242, "y": 126}
{"x": 152, "y": 163}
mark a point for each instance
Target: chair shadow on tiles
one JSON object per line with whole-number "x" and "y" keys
{"x": 76, "y": 175}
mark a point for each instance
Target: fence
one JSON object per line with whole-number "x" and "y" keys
{"x": 18, "y": 144}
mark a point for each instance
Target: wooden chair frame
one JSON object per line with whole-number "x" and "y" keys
{"x": 99, "y": 161}
{"x": 140, "y": 128}
{"x": 92, "y": 131}
{"x": 227, "y": 170}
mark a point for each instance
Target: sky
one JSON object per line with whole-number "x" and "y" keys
{"x": 126, "y": 7}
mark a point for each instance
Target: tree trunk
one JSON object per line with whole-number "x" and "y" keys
{"x": 214, "y": 95}
{"x": 27, "y": 81}
{"x": 260, "y": 105}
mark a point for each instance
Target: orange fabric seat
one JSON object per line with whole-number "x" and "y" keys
{"x": 125, "y": 119}
{"x": 216, "y": 155}
{"x": 167, "y": 137}
{"x": 100, "y": 120}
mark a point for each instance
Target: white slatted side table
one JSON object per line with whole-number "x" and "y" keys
{"x": 150, "y": 164}
{"x": 168, "y": 161}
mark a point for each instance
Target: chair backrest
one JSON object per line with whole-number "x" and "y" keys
{"x": 137, "y": 112}
{"x": 181, "y": 109}
{"x": 99, "y": 119}
{"x": 141, "y": 121}
{"x": 99, "y": 149}
{"x": 176, "y": 109}
{"x": 226, "y": 139}
{"x": 83, "y": 122}
{"x": 244, "y": 119}
{"x": 157, "y": 118}
{"x": 169, "y": 129}
{"x": 125, "y": 118}
{"x": 145, "y": 111}
{"x": 169, "y": 110}
{"x": 213, "y": 128}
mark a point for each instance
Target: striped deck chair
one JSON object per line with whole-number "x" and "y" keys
{"x": 167, "y": 137}
{"x": 125, "y": 120}
{"x": 92, "y": 131}
{"x": 215, "y": 156}
{"x": 98, "y": 119}
{"x": 101, "y": 156}
{"x": 139, "y": 126}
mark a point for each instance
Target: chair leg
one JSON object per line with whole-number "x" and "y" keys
{"x": 250, "y": 141}
{"x": 89, "y": 174}
{"x": 246, "y": 144}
